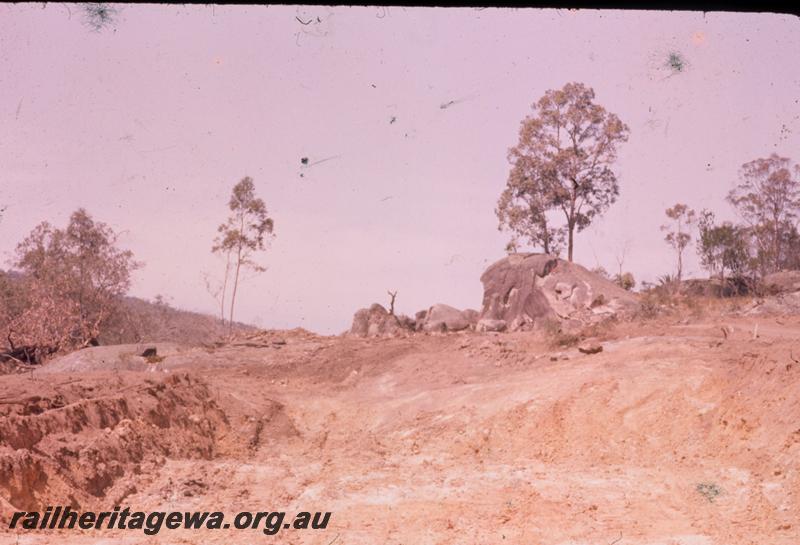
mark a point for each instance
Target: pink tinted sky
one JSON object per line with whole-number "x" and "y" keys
{"x": 150, "y": 122}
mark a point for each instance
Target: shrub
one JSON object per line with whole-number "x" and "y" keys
{"x": 709, "y": 490}
{"x": 556, "y": 336}
{"x": 71, "y": 282}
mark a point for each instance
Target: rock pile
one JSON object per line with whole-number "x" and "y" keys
{"x": 376, "y": 321}
{"x": 519, "y": 291}
{"x": 444, "y": 318}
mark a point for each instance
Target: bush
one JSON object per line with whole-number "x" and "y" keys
{"x": 649, "y": 307}
{"x": 71, "y": 282}
{"x": 709, "y": 490}
{"x": 556, "y": 336}
{"x": 625, "y": 280}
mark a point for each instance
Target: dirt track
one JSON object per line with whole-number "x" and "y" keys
{"x": 460, "y": 439}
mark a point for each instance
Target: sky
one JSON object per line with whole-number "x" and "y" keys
{"x": 405, "y": 116}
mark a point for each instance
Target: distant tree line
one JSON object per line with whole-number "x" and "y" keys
{"x": 765, "y": 240}
{"x": 561, "y": 179}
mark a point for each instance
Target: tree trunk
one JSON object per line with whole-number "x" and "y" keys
{"x": 235, "y": 286}
{"x": 238, "y": 266}
{"x": 680, "y": 265}
{"x": 571, "y": 219}
{"x": 224, "y": 288}
{"x": 569, "y": 244}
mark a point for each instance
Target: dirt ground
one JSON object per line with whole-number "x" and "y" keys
{"x": 677, "y": 433}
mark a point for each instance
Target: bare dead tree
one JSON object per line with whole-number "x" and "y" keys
{"x": 620, "y": 256}
{"x": 393, "y": 295}
{"x": 625, "y": 280}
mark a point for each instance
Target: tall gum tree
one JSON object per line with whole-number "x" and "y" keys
{"x": 768, "y": 200}
{"x": 247, "y": 231}
{"x": 562, "y": 162}
{"x": 677, "y": 231}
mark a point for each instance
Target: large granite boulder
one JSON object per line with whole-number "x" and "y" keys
{"x": 442, "y": 317}
{"x": 376, "y": 321}
{"x": 118, "y": 357}
{"x": 471, "y": 315}
{"x": 487, "y": 324}
{"x": 525, "y": 289}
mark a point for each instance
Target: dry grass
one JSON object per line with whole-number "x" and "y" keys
{"x": 658, "y": 303}
{"x": 557, "y": 337}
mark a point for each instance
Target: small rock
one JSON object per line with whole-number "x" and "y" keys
{"x": 590, "y": 348}
{"x": 488, "y": 324}
{"x": 150, "y": 352}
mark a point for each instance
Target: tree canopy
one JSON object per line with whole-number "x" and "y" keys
{"x": 768, "y": 200}
{"x": 561, "y": 163}
{"x": 70, "y": 283}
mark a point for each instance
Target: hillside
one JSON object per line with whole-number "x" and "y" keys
{"x": 140, "y": 320}
{"x": 682, "y": 431}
